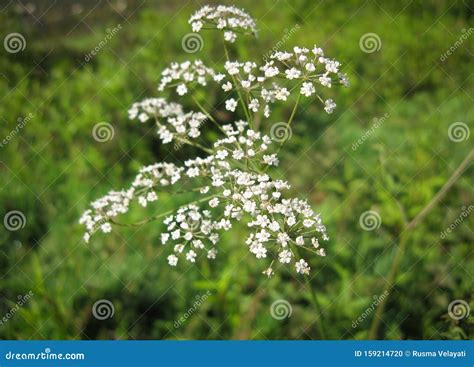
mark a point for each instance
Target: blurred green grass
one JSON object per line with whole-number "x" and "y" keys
{"x": 53, "y": 168}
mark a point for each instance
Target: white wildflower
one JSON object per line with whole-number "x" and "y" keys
{"x": 302, "y": 267}
{"x": 329, "y": 105}
{"x": 230, "y": 104}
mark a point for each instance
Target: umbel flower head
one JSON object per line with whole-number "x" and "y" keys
{"x": 231, "y": 180}
{"x": 229, "y": 19}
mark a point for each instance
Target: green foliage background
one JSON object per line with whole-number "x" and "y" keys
{"x": 53, "y": 168}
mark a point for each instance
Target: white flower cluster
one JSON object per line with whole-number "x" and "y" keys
{"x": 232, "y": 181}
{"x": 191, "y": 230}
{"x": 182, "y": 75}
{"x": 229, "y": 19}
{"x": 179, "y": 125}
{"x": 237, "y": 195}
{"x": 262, "y": 84}
{"x": 143, "y": 189}
{"x": 306, "y": 71}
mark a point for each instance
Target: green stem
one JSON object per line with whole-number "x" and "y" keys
{"x": 204, "y": 111}
{"x": 197, "y": 145}
{"x": 408, "y": 228}
{"x": 290, "y": 120}
{"x": 314, "y": 300}
{"x": 319, "y": 319}
{"x": 389, "y": 285}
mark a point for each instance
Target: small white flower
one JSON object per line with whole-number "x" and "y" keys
{"x": 271, "y": 71}
{"x": 332, "y": 66}
{"x": 196, "y": 26}
{"x": 227, "y": 86}
{"x": 271, "y": 160}
{"x": 259, "y": 251}
{"x": 307, "y": 89}
{"x": 310, "y": 67}
{"x": 222, "y": 154}
{"x": 230, "y": 104}
{"x": 274, "y": 226}
{"x": 321, "y": 252}
{"x": 284, "y": 257}
{"x": 191, "y": 256}
{"x": 308, "y": 223}
{"x": 325, "y": 81}
{"x": 232, "y": 67}
{"x": 238, "y": 154}
{"x": 172, "y": 260}
{"x": 181, "y": 89}
{"x": 254, "y": 105}
{"x": 329, "y": 105}
{"x": 165, "y": 237}
{"x": 230, "y": 36}
{"x": 152, "y": 196}
{"x": 266, "y": 111}
{"x": 343, "y": 79}
{"x": 291, "y": 220}
{"x": 143, "y": 117}
{"x": 175, "y": 234}
{"x": 214, "y": 202}
{"x": 292, "y": 73}
{"x": 282, "y": 94}
{"x": 302, "y": 267}
{"x": 218, "y": 77}
{"x": 283, "y": 238}
{"x": 268, "y": 272}
{"x": 211, "y": 254}
{"x": 299, "y": 240}
{"x": 106, "y": 228}
{"x": 317, "y": 51}
{"x": 193, "y": 172}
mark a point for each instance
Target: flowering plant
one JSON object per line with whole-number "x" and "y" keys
{"x": 232, "y": 181}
